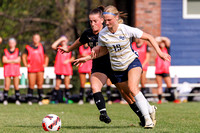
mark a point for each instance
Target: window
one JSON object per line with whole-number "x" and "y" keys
{"x": 191, "y": 9}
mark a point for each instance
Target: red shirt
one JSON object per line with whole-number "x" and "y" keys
{"x": 87, "y": 66}
{"x": 11, "y": 69}
{"x": 35, "y": 58}
{"x": 161, "y": 65}
{"x": 142, "y": 53}
{"x": 60, "y": 67}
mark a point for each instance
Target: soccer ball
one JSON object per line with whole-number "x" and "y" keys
{"x": 51, "y": 122}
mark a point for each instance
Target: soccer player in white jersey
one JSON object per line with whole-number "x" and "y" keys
{"x": 115, "y": 39}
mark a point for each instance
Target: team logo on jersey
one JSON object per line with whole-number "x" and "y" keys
{"x": 122, "y": 37}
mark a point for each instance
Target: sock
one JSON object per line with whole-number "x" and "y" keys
{"x": 82, "y": 90}
{"x": 67, "y": 93}
{"x": 149, "y": 107}
{"x": 30, "y": 94}
{"x": 141, "y": 103}
{"x": 90, "y": 94}
{"x": 137, "y": 112}
{"x": 5, "y": 94}
{"x": 143, "y": 90}
{"x": 40, "y": 94}
{"x": 55, "y": 95}
{"x": 159, "y": 96}
{"x": 100, "y": 102}
{"x": 17, "y": 94}
{"x": 108, "y": 93}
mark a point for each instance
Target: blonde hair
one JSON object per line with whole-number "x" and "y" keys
{"x": 113, "y": 10}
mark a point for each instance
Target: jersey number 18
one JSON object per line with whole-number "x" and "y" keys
{"x": 117, "y": 47}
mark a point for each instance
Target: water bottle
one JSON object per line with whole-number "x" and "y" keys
{"x": 176, "y": 80}
{"x": 47, "y": 81}
{"x": 23, "y": 80}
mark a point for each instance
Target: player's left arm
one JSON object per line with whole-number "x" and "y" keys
{"x": 153, "y": 42}
{"x": 46, "y": 60}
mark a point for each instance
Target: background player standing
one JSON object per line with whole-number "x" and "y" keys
{"x": 143, "y": 50}
{"x": 35, "y": 59}
{"x": 85, "y": 68}
{"x": 62, "y": 66}
{"x": 11, "y": 63}
{"x": 162, "y": 67}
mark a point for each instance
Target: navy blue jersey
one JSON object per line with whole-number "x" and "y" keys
{"x": 89, "y": 37}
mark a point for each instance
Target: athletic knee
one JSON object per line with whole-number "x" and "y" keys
{"x": 133, "y": 88}
{"x": 95, "y": 88}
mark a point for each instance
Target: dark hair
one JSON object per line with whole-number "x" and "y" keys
{"x": 99, "y": 10}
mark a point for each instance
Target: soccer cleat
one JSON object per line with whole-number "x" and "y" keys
{"x": 104, "y": 118}
{"x": 5, "y": 102}
{"x": 142, "y": 121}
{"x": 30, "y": 103}
{"x": 159, "y": 102}
{"x": 177, "y": 101}
{"x": 40, "y": 103}
{"x": 91, "y": 101}
{"x": 153, "y": 114}
{"x": 109, "y": 102}
{"x": 80, "y": 102}
{"x": 148, "y": 124}
{"x": 17, "y": 102}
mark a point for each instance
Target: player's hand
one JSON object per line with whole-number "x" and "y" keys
{"x": 63, "y": 50}
{"x": 165, "y": 57}
{"x": 28, "y": 65}
{"x": 45, "y": 65}
{"x": 66, "y": 61}
{"x": 93, "y": 54}
{"x": 80, "y": 61}
{"x": 63, "y": 38}
{"x": 158, "y": 39}
{"x": 16, "y": 60}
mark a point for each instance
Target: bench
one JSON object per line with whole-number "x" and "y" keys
{"x": 49, "y": 72}
{"x": 179, "y": 71}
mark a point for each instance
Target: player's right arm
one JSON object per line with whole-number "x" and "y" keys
{"x": 97, "y": 52}
{"x": 57, "y": 42}
{"x": 75, "y": 45}
{"x": 24, "y": 57}
{"x": 5, "y": 60}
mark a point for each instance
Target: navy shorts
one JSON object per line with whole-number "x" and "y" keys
{"x": 163, "y": 75}
{"x": 107, "y": 70}
{"x": 60, "y": 76}
{"x": 123, "y": 75}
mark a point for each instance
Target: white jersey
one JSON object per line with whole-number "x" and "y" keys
{"x": 119, "y": 46}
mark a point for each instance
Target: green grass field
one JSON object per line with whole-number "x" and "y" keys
{"x": 171, "y": 117}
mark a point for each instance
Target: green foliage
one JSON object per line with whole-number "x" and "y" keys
{"x": 49, "y": 18}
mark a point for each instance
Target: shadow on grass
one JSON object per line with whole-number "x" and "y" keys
{"x": 98, "y": 127}
{"x": 79, "y": 127}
